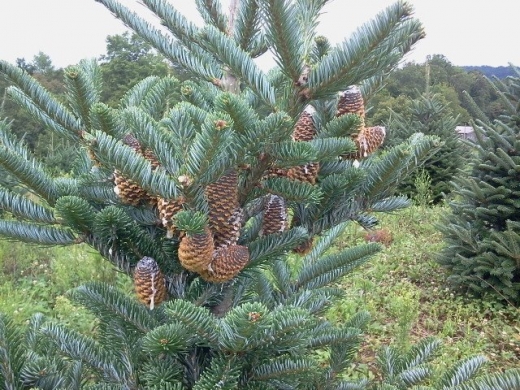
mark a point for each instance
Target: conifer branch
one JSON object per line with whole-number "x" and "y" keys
{"x": 247, "y": 23}
{"x": 190, "y": 60}
{"x": 40, "y": 97}
{"x": 30, "y": 173}
{"x": 36, "y": 234}
{"x": 239, "y": 63}
{"x": 284, "y": 35}
{"x": 180, "y": 27}
{"x": 211, "y": 12}
{"x": 25, "y": 101}
{"x": 81, "y": 348}
{"x": 329, "y": 268}
{"x": 372, "y": 48}
{"x": 108, "y": 303}
{"x": 105, "y": 119}
{"x": 163, "y": 144}
{"x": 114, "y": 153}
{"x": 84, "y": 89}
{"x": 22, "y": 207}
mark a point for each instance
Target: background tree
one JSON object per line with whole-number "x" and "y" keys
{"x": 128, "y": 60}
{"x": 481, "y": 232}
{"x": 430, "y": 114}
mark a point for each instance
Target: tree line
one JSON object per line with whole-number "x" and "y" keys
{"x": 129, "y": 59}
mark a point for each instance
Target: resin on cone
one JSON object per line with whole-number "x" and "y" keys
{"x": 167, "y": 209}
{"x": 149, "y": 283}
{"x": 369, "y": 140}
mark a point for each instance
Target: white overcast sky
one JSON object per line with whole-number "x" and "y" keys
{"x": 473, "y": 32}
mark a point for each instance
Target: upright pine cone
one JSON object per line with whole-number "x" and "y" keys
{"x": 150, "y": 156}
{"x": 275, "y": 215}
{"x": 126, "y": 189}
{"x": 149, "y": 283}
{"x": 196, "y": 251}
{"x": 305, "y": 130}
{"x": 167, "y": 209}
{"x": 306, "y": 173}
{"x": 351, "y": 102}
{"x": 369, "y": 140}
{"x": 129, "y": 191}
{"x": 225, "y": 215}
{"x": 226, "y": 264}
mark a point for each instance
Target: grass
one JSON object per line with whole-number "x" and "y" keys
{"x": 35, "y": 279}
{"x": 404, "y": 289}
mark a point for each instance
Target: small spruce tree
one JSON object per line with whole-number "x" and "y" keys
{"x": 482, "y": 232}
{"x": 221, "y": 196}
{"x": 430, "y": 115}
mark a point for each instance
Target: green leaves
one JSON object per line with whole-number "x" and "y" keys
{"x": 283, "y": 33}
{"x": 376, "y": 46}
{"x": 36, "y": 234}
{"x": 239, "y": 63}
{"x": 169, "y": 338}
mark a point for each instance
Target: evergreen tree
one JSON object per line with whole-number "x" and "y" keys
{"x": 482, "y": 231}
{"x": 430, "y": 115}
{"x": 217, "y": 180}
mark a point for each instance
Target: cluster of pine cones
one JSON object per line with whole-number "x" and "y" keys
{"x": 367, "y": 140}
{"x": 214, "y": 253}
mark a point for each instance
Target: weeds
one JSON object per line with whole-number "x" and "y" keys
{"x": 404, "y": 290}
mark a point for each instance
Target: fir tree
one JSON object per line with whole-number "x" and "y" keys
{"x": 201, "y": 191}
{"x": 430, "y": 115}
{"x": 482, "y": 231}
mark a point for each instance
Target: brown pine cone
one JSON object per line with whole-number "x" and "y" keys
{"x": 304, "y": 130}
{"x": 306, "y": 173}
{"x": 149, "y": 283}
{"x": 224, "y": 212}
{"x": 196, "y": 251}
{"x": 227, "y": 263}
{"x": 275, "y": 215}
{"x": 129, "y": 191}
{"x": 369, "y": 140}
{"x": 167, "y": 209}
{"x": 351, "y": 102}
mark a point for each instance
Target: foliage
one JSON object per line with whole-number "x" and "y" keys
{"x": 219, "y": 305}
{"x": 438, "y": 75}
{"x": 481, "y": 232}
{"x": 429, "y": 114}
{"x": 127, "y": 61}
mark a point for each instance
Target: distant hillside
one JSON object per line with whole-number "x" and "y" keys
{"x": 498, "y": 71}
